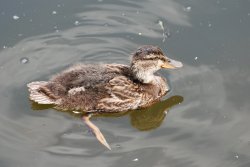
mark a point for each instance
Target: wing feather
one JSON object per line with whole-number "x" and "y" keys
{"x": 124, "y": 95}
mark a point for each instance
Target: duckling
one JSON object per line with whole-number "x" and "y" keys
{"x": 107, "y": 88}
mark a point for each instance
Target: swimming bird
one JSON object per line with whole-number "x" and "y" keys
{"x": 107, "y": 88}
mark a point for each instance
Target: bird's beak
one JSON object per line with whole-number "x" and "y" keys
{"x": 172, "y": 64}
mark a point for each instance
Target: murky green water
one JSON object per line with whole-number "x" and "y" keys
{"x": 209, "y": 128}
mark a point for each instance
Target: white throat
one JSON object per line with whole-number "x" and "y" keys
{"x": 145, "y": 76}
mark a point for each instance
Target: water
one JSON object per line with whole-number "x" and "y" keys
{"x": 209, "y": 128}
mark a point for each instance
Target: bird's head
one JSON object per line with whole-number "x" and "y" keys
{"x": 149, "y": 59}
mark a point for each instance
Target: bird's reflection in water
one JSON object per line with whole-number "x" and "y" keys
{"x": 143, "y": 119}
{"x": 152, "y": 117}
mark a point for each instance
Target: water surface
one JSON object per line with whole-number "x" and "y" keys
{"x": 209, "y": 128}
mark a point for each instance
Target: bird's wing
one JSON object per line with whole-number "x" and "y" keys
{"x": 124, "y": 95}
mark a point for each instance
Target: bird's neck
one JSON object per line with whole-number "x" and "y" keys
{"x": 144, "y": 76}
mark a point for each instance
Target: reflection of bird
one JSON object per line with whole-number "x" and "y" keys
{"x": 107, "y": 87}
{"x": 152, "y": 117}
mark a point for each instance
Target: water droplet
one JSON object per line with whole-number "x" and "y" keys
{"x": 24, "y": 60}
{"x": 167, "y": 34}
{"x": 188, "y": 9}
{"x": 195, "y": 58}
{"x": 139, "y": 33}
{"x": 77, "y": 23}
{"x": 236, "y": 156}
{"x": 106, "y": 25}
{"x": 118, "y": 146}
{"x": 161, "y": 24}
{"x": 4, "y": 47}
{"x": 209, "y": 25}
{"x": 54, "y": 12}
{"x": 76, "y": 112}
{"x": 135, "y": 160}
{"x": 15, "y": 17}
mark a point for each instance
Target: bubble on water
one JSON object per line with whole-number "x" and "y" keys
{"x": 15, "y": 17}
{"x": 4, "y": 47}
{"x": 24, "y": 60}
{"x": 139, "y": 33}
{"x": 54, "y": 12}
{"x": 195, "y": 58}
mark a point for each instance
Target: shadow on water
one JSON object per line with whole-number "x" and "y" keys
{"x": 142, "y": 119}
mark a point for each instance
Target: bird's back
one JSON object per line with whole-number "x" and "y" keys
{"x": 78, "y": 88}
{"x": 89, "y": 76}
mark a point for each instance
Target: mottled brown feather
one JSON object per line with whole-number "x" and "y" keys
{"x": 105, "y": 87}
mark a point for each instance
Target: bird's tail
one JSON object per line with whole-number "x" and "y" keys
{"x": 40, "y": 94}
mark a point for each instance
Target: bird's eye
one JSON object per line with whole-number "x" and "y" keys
{"x": 168, "y": 61}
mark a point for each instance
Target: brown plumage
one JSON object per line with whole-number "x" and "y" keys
{"x": 107, "y": 87}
